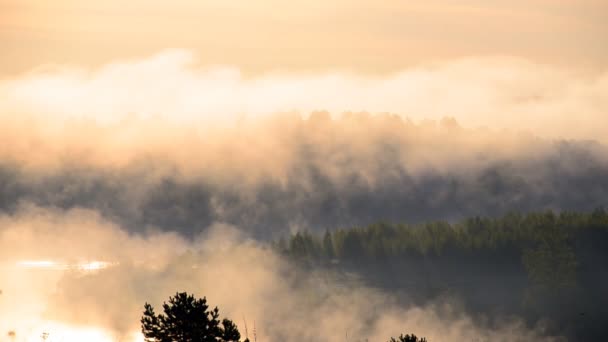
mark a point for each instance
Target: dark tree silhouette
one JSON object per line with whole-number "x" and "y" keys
{"x": 187, "y": 319}
{"x": 408, "y": 338}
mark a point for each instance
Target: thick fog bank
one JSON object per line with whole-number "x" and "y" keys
{"x": 281, "y": 174}
{"x": 246, "y": 280}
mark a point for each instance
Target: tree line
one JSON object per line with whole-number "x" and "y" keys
{"x": 539, "y": 265}
{"x": 528, "y": 264}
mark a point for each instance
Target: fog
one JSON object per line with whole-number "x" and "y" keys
{"x": 124, "y": 184}
{"x": 492, "y": 91}
{"x": 245, "y": 279}
{"x": 284, "y": 173}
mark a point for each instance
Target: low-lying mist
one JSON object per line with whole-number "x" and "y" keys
{"x": 247, "y": 280}
{"x": 284, "y": 173}
{"x": 131, "y": 182}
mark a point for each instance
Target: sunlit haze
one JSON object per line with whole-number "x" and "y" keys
{"x": 319, "y": 170}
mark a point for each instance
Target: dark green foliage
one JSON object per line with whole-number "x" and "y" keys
{"x": 229, "y": 331}
{"x": 328, "y": 246}
{"x": 543, "y": 241}
{"x": 408, "y": 338}
{"x": 187, "y": 319}
{"x": 530, "y": 265}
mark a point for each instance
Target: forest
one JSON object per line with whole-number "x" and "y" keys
{"x": 547, "y": 267}
{"x": 322, "y": 171}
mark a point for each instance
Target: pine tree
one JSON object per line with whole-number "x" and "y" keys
{"x": 408, "y": 338}
{"x": 187, "y": 319}
{"x": 328, "y": 246}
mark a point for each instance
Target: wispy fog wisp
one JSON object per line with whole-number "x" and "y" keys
{"x": 246, "y": 280}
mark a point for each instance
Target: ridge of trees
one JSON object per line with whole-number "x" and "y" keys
{"x": 537, "y": 239}
{"x": 531, "y": 265}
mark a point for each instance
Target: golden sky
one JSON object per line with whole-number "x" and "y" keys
{"x": 312, "y": 35}
{"x": 104, "y": 102}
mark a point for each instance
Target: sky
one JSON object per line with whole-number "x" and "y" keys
{"x": 259, "y": 36}
{"x": 203, "y": 129}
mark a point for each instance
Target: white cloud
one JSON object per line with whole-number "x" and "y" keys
{"x": 499, "y": 92}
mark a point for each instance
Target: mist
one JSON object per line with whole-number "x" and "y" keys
{"x": 249, "y": 282}
{"x": 501, "y": 92}
{"x": 127, "y": 183}
{"x": 285, "y": 173}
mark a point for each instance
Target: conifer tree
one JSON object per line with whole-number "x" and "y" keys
{"x": 187, "y": 319}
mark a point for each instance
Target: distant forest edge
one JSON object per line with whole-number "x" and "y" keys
{"x": 316, "y": 173}
{"x": 544, "y": 266}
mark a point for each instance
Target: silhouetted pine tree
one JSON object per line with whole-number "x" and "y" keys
{"x": 187, "y": 319}
{"x": 408, "y": 338}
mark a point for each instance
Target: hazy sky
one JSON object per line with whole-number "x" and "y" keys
{"x": 130, "y": 126}
{"x": 260, "y": 35}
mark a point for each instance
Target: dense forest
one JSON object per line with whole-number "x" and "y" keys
{"x": 323, "y": 173}
{"x": 547, "y": 267}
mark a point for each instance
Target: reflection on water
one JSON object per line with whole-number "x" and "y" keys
{"x": 48, "y": 331}
{"x": 54, "y": 265}
{"x": 32, "y": 328}
{"x": 58, "y": 332}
